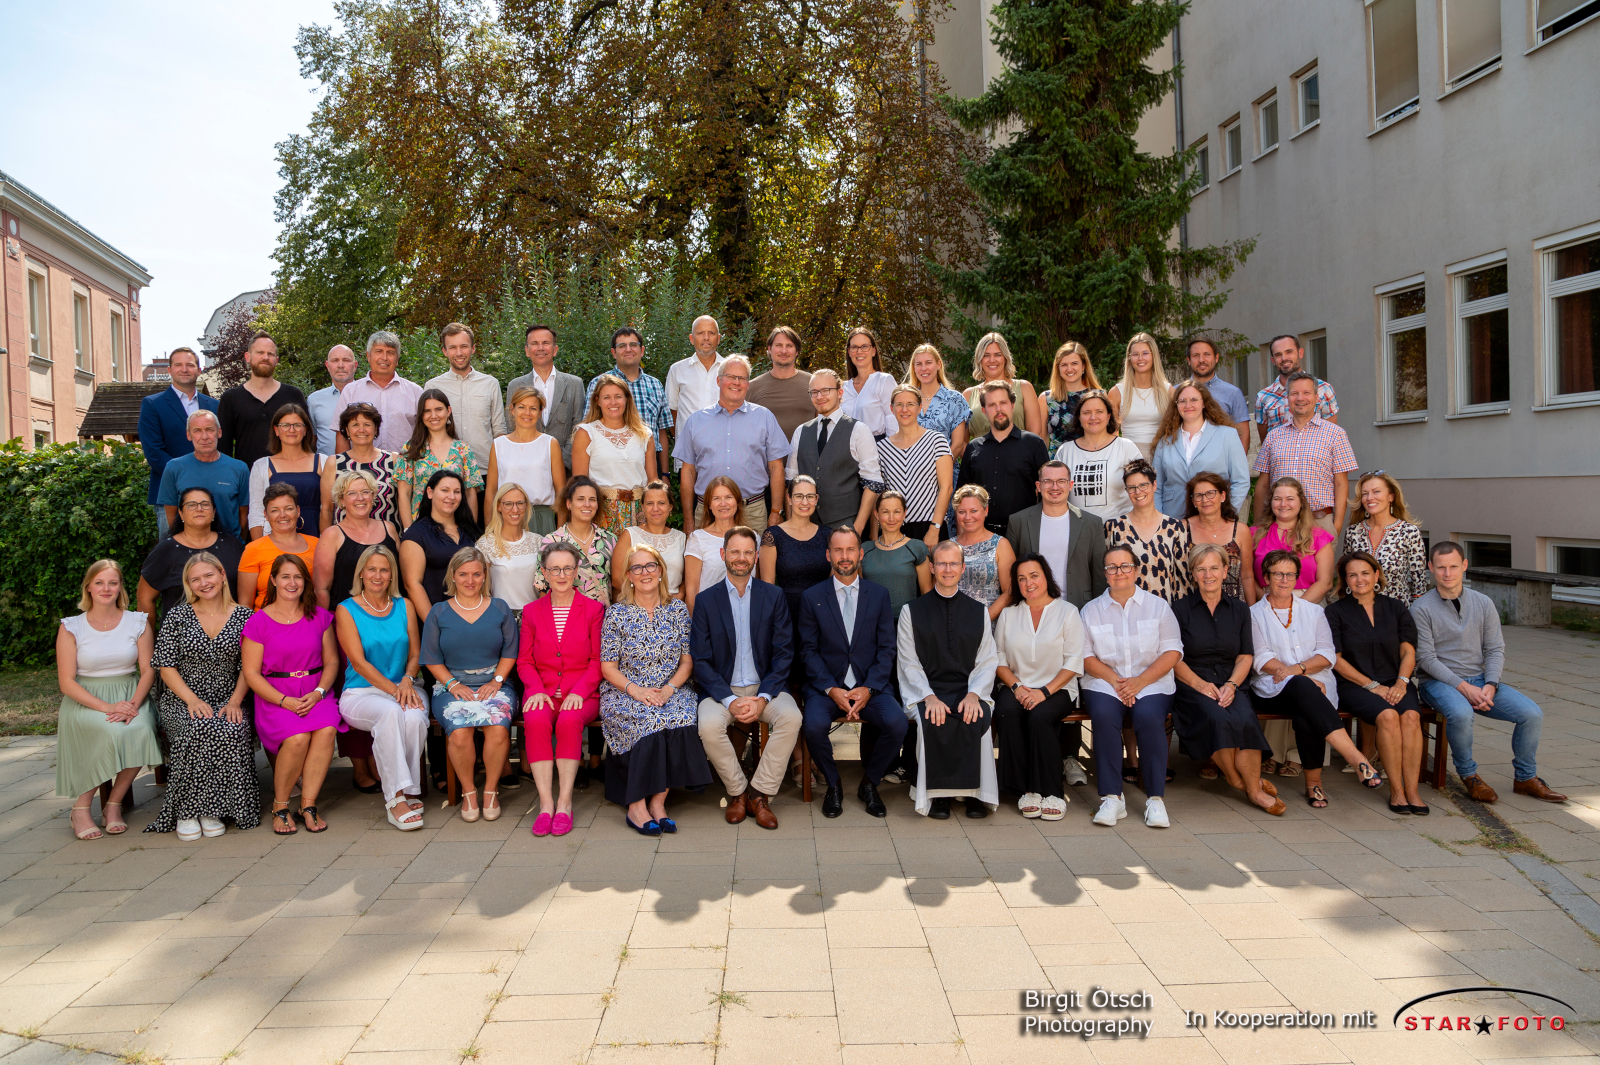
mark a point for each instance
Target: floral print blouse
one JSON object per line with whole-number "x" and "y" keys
{"x": 945, "y": 412}
{"x": 417, "y": 474}
{"x": 594, "y": 562}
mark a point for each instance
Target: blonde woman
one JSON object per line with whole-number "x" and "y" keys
{"x": 511, "y": 548}
{"x": 1071, "y": 375}
{"x": 1384, "y": 527}
{"x": 106, "y": 729}
{"x": 1141, "y": 397}
{"x": 213, "y": 761}
{"x": 940, "y": 407}
{"x": 991, "y": 361}
{"x": 865, "y": 394}
{"x": 915, "y": 461}
{"x": 987, "y": 577}
{"x": 652, "y": 530}
{"x": 531, "y": 459}
{"x": 614, "y": 449}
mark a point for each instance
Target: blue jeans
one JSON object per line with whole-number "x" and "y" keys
{"x": 162, "y": 532}
{"x": 1509, "y": 705}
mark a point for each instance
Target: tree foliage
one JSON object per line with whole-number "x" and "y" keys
{"x": 1083, "y": 222}
{"x": 240, "y": 324}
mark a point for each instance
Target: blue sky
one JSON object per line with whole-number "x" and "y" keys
{"x": 152, "y": 122}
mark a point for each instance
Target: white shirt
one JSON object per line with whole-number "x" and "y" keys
{"x": 1037, "y": 655}
{"x": 1055, "y": 544}
{"x": 691, "y": 386}
{"x": 914, "y": 687}
{"x": 707, "y": 547}
{"x": 863, "y": 448}
{"x": 1097, "y": 476}
{"x": 547, "y": 389}
{"x": 1190, "y": 442}
{"x": 870, "y": 406}
{"x": 191, "y": 404}
{"x": 1130, "y": 638}
{"x": 848, "y": 615}
{"x": 1306, "y": 636}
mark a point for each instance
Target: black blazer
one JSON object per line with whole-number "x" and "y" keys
{"x": 711, "y": 639}
{"x": 822, "y": 639}
{"x": 1085, "y": 578}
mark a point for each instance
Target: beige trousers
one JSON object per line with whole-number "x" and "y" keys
{"x": 782, "y": 718}
{"x": 755, "y": 515}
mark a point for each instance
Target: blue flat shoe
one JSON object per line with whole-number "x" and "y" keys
{"x": 667, "y": 824}
{"x": 649, "y": 828}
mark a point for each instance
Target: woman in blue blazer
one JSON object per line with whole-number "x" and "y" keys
{"x": 1196, "y": 436}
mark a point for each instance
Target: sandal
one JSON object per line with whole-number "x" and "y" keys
{"x": 282, "y": 820}
{"x": 1130, "y": 774}
{"x": 1371, "y": 778}
{"x": 1052, "y": 808}
{"x": 1209, "y": 771}
{"x": 308, "y": 815}
{"x": 1289, "y": 769}
{"x": 410, "y": 818}
{"x": 93, "y": 831}
{"x": 1029, "y": 804}
{"x": 1268, "y": 767}
{"x": 1315, "y": 797}
{"x": 491, "y": 813}
{"x": 117, "y": 827}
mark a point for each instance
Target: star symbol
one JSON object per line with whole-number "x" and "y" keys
{"x": 1482, "y": 1025}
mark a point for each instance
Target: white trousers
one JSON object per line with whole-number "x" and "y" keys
{"x": 397, "y": 737}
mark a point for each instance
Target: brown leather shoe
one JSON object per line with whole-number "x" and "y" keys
{"x": 1479, "y": 791}
{"x": 1538, "y": 789}
{"x": 762, "y": 812}
{"x": 735, "y": 811}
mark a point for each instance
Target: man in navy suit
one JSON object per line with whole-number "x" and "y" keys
{"x": 848, "y": 638}
{"x": 164, "y": 421}
{"x": 740, "y": 644}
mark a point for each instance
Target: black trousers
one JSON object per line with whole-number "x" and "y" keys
{"x": 1309, "y": 711}
{"x": 1030, "y": 742}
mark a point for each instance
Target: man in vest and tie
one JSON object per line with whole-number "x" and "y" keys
{"x": 947, "y": 660}
{"x": 840, "y": 454}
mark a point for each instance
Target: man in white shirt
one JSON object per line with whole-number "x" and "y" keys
{"x": 1072, "y": 541}
{"x": 692, "y": 382}
{"x": 476, "y": 405}
{"x": 394, "y": 398}
{"x": 838, "y": 453}
{"x": 947, "y": 660}
{"x": 324, "y": 402}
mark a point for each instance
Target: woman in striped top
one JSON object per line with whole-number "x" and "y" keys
{"x": 917, "y": 463}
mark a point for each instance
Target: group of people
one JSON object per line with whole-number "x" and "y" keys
{"x": 343, "y": 572}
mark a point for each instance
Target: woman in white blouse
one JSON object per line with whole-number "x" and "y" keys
{"x": 865, "y": 396}
{"x": 1294, "y": 658}
{"x": 615, "y": 450}
{"x": 652, "y": 531}
{"x": 1141, "y": 397}
{"x": 702, "y": 556}
{"x": 512, "y": 550}
{"x": 1040, "y": 643}
{"x": 1131, "y": 644}
{"x": 532, "y": 459}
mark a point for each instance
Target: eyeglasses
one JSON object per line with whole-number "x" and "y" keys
{"x": 644, "y": 567}
{"x": 1145, "y": 487}
{"x": 956, "y": 563}
{"x": 514, "y": 504}
{"x": 1206, "y": 497}
{"x": 1125, "y": 567}
{"x": 864, "y": 346}
{"x": 198, "y": 504}
{"x": 1372, "y": 473}
{"x": 803, "y": 497}
{"x": 1055, "y": 482}
{"x": 560, "y": 571}
{"x": 297, "y": 426}
{"x": 824, "y": 391}
{"x": 1282, "y": 575}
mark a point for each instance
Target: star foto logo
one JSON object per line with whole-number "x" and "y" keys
{"x": 1484, "y": 1025}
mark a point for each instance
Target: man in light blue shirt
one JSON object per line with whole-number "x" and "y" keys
{"x": 737, "y": 439}
{"x": 1203, "y": 359}
{"x": 227, "y": 479}
{"x": 324, "y": 402}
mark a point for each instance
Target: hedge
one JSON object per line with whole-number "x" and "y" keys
{"x": 62, "y": 507}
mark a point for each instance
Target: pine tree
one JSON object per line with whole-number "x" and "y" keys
{"x": 1083, "y": 224}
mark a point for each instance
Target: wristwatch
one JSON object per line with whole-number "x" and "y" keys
{"x": 1371, "y": 686}
{"x": 498, "y": 679}
{"x": 320, "y": 690}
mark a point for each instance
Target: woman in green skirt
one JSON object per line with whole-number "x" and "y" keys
{"x": 107, "y": 728}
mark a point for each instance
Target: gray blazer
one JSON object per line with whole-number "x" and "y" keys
{"x": 566, "y": 407}
{"x": 1086, "y": 554}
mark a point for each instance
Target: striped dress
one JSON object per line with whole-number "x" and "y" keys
{"x": 914, "y": 472}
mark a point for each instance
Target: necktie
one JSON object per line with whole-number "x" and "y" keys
{"x": 822, "y": 436}
{"x": 848, "y": 609}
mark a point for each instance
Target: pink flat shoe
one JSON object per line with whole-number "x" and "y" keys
{"x": 562, "y": 825}
{"x": 541, "y": 825}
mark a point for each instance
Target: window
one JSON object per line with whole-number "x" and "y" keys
{"x": 1487, "y": 551}
{"x": 1310, "y": 100}
{"x": 38, "y": 313}
{"x": 1393, "y": 25}
{"x": 1316, "y": 347}
{"x": 1575, "y": 559}
{"x": 1483, "y": 345}
{"x": 1558, "y": 16}
{"x": 1202, "y": 164}
{"x": 116, "y": 345}
{"x": 1405, "y": 352}
{"x": 40, "y": 439}
{"x": 1572, "y": 289}
{"x": 82, "y": 354}
{"x": 1233, "y": 147}
{"x": 1267, "y": 124}
{"x": 1471, "y": 38}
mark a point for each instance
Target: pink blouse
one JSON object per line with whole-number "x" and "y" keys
{"x": 1272, "y": 540}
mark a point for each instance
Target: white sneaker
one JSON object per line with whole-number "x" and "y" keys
{"x": 188, "y": 829}
{"x": 1113, "y": 808}
{"x": 1029, "y": 804}
{"x": 211, "y": 827}
{"x": 1155, "y": 813}
{"x": 1075, "y": 773}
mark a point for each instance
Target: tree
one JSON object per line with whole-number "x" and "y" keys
{"x": 1083, "y": 222}
{"x": 227, "y": 348}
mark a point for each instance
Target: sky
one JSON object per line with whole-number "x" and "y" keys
{"x": 152, "y": 123}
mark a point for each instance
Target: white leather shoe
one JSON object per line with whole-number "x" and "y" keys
{"x": 211, "y": 827}
{"x": 1075, "y": 773}
{"x": 188, "y": 829}
{"x": 1113, "y": 808}
{"x": 1155, "y": 813}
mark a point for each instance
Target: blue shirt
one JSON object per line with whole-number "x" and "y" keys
{"x": 744, "y": 657}
{"x": 227, "y": 479}
{"x": 324, "y": 407}
{"x": 649, "y": 396}
{"x": 1229, "y": 398}
{"x": 385, "y": 642}
{"x": 737, "y": 444}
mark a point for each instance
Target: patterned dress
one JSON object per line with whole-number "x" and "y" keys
{"x": 981, "y": 580}
{"x": 1163, "y": 560}
{"x": 945, "y": 412}
{"x": 1062, "y": 423}
{"x": 213, "y": 760}
{"x": 594, "y": 562}
{"x": 386, "y": 504}
{"x": 417, "y": 474}
{"x": 1399, "y": 555}
{"x": 1233, "y": 583}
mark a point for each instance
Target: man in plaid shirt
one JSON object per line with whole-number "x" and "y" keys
{"x": 1272, "y": 402}
{"x": 1313, "y": 451}
{"x": 627, "y": 350}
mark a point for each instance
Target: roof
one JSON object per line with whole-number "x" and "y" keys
{"x": 50, "y": 215}
{"x": 114, "y": 411}
{"x": 214, "y": 326}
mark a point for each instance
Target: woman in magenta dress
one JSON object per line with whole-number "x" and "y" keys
{"x": 290, "y": 660}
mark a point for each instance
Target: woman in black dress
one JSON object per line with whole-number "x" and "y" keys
{"x": 1212, "y": 712}
{"x": 161, "y": 576}
{"x": 1377, "y": 643}
{"x": 443, "y": 527}
{"x": 794, "y": 556}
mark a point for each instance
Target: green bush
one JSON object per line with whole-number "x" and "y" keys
{"x": 66, "y": 506}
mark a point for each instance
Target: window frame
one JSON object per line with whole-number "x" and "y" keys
{"x": 1304, "y": 75}
{"x": 1549, "y": 362}
{"x": 1567, "y": 593}
{"x": 1226, "y": 134}
{"x": 82, "y": 331}
{"x": 37, "y": 298}
{"x": 1405, "y": 110}
{"x": 1202, "y": 155}
{"x": 1460, "y": 311}
{"x": 1258, "y": 112}
{"x": 1538, "y": 31}
{"x": 117, "y": 335}
{"x": 1305, "y": 340}
{"x": 1461, "y": 81}
{"x": 1466, "y": 540}
{"x": 1388, "y": 328}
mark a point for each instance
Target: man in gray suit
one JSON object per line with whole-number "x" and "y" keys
{"x": 1073, "y": 541}
{"x": 563, "y": 392}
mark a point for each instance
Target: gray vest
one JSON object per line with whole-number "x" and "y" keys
{"x": 836, "y": 471}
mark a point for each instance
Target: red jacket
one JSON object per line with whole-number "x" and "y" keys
{"x": 570, "y": 665}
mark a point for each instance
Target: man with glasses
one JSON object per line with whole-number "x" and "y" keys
{"x": 734, "y": 438}
{"x": 1313, "y": 451}
{"x": 840, "y": 454}
{"x": 163, "y": 424}
{"x": 245, "y": 411}
{"x": 1073, "y": 541}
{"x": 947, "y": 658}
{"x": 392, "y": 396}
{"x": 1203, "y": 360}
{"x": 627, "y": 352}
{"x": 226, "y": 478}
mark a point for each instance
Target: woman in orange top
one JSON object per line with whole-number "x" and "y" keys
{"x": 282, "y": 505}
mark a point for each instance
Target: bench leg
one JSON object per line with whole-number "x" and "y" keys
{"x": 1533, "y": 604}
{"x": 805, "y": 771}
{"x": 1441, "y": 752}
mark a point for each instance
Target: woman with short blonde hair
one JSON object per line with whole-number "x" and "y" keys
{"x": 529, "y": 457}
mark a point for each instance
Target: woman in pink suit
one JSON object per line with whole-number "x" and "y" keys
{"x": 559, "y": 663}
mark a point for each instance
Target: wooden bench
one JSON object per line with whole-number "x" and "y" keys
{"x": 1529, "y": 603}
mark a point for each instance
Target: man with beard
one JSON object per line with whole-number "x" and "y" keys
{"x": 245, "y": 411}
{"x": 1005, "y": 460}
{"x": 947, "y": 660}
{"x": 740, "y": 640}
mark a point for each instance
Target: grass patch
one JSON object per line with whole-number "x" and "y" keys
{"x": 29, "y": 702}
{"x": 1569, "y": 616}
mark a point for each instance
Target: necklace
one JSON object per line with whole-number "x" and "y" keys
{"x": 887, "y": 546}
{"x": 456, "y": 599}
{"x": 387, "y": 606}
{"x": 1290, "y": 620}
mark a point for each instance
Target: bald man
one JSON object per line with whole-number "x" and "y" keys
{"x": 692, "y": 382}
{"x": 324, "y": 402}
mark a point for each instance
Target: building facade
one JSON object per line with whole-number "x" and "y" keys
{"x": 70, "y": 307}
